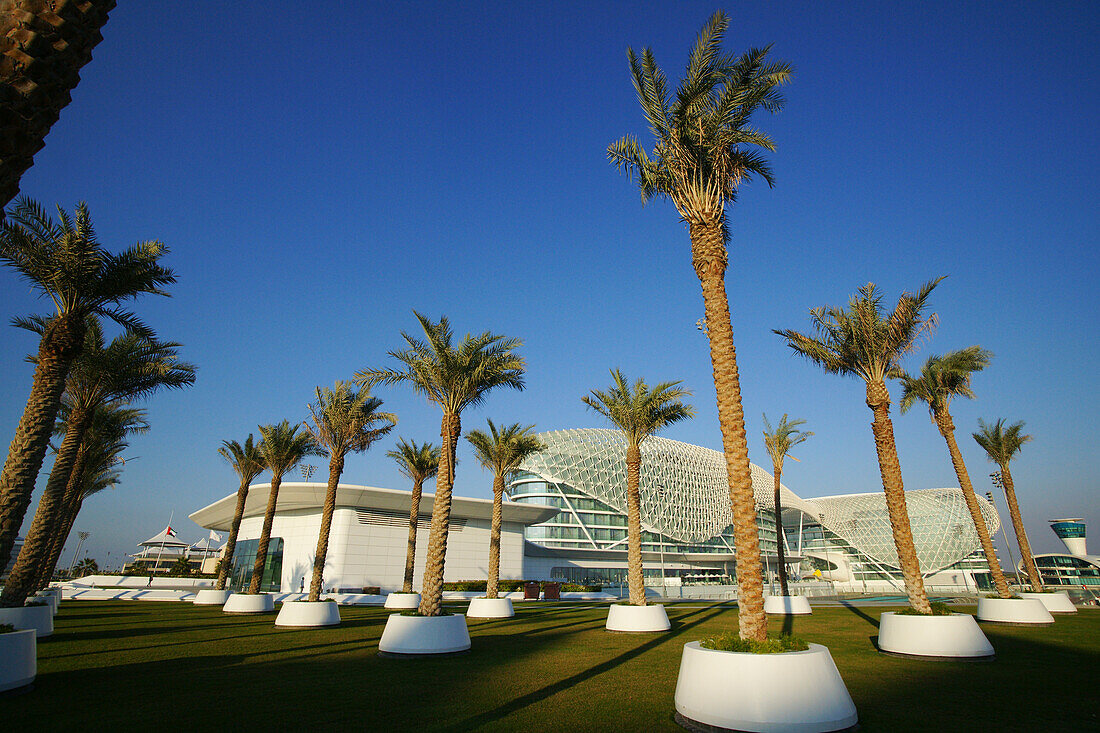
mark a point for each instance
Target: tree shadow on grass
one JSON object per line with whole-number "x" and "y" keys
{"x": 862, "y": 614}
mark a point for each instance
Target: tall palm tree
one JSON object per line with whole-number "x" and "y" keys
{"x": 941, "y": 379}
{"x": 779, "y": 441}
{"x": 704, "y": 150}
{"x": 863, "y": 342}
{"x": 419, "y": 463}
{"x": 248, "y": 462}
{"x": 454, "y": 378}
{"x": 65, "y": 262}
{"x": 43, "y": 46}
{"x": 1001, "y": 444}
{"x": 501, "y": 451}
{"x": 638, "y": 412}
{"x": 343, "y": 421}
{"x": 282, "y": 448}
{"x": 130, "y": 367}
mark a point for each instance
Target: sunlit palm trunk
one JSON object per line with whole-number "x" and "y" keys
{"x": 36, "y": 548}
{"x": 492, "y": 583}
{"x": 1021, "y": 533}
{"x": 947, "y": 429}
{"x": 265, "y": 535}
{"x": 60, "y": 344}
{"x": 59, "y": 530}
{"x": 414, "y": 521}
{"x": 231, "y": 543}
{"x": 431, "y": 588}
{"x": 634, "y": 576}
{"x": 708, "y": 254}
{"x": 335, "y": 468}
{"x": 878, "y": 399}
{"x": 780, "y": 552}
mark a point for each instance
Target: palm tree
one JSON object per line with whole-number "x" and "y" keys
{"x": 248, "y": 462}
{"x": 343, "y": 421}
{"x": 87, "y": 566}
{"x": 705, "y": 149}
{"x": 282, "y": 448}
{"x": 861, "y": 342}
{"x": 454, "y": 378}
{"x": 419, "y": 463}
{"x": 65, "y": 262}
{"x": 501, "y": 451}
{"x": 1000, "y": 444}
{"x": 43, "y": 46}
{"x": 779, "y": 441}
{"x": 941, "y": 379}
{"x": 639, "y": 412}
{"x": 132, "y": 366}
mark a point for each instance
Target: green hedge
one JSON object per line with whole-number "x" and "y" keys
{"x": 512, "y": 586}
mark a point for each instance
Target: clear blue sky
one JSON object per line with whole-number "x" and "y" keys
{"x": 318, "y": 177}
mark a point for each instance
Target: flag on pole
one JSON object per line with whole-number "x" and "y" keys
{"x": 215, "y": 536}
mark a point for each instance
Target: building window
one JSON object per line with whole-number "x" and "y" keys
{"x": 244, "y": 557}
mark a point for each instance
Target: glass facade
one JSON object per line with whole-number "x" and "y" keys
{"x": 1067, "y": 570}
{"x": 244, "y": 557}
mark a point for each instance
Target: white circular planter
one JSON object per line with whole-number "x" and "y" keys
{"x": 637, "y": 619}
{"x": 18, "y": 659}
{"x": 249, "y": 603}
{"x": 305, "y": 613}
{"x": 1056, "y": 602}
{"x": 1019, "y": 611}
{"x": 52, "y": 599}
{"x": 403, "y": 600}
{"x": 799, "y": 692}
{"x": 212, "y": 597}
{"x": 787, "y": 605}
{"x": 39, "y": 618}
{"x": 490, "y": 608}
{"x": 424, "y": 635}
{"x": 956, "y": 636}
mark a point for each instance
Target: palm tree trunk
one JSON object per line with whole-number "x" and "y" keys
{"x": 57, "y": 545}
{"x": 60, "y": 344}
{"x": 492, "y": 583}
{"x": 431, "y": 587}
{"x": 635, "y": 578}
{"x": 36, "y": 548}
{"x": 878, "y": 399}
{"x": 71, "y": 496}
{"x": 777, "y": 503}
{"x": 1021, "y": 533}
{"x": 231, "y": 543}
{"x": 265, "y": 536}
{"x": 335, "y": 468}
{"x": 708, "y": 255}
{"x": 947, "y": 429}
{"x": 414, "y": 521}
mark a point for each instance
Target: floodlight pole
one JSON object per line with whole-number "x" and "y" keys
{"x": 76, "y": 553}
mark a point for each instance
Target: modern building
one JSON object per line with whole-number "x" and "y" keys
{"x": 686, "y": 520}
{"x": 160, "y": 552}
{"x": 1075, "y": 567}
{"x": 15, "y": 548}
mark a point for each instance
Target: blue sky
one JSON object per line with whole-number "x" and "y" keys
{"x": 319, "y": 178}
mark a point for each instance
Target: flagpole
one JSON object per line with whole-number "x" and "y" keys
{"x": 160, "y": 554}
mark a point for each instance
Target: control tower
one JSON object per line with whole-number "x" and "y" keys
{"x": 1072, "y": 534}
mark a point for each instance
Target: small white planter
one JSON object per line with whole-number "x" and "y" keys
{"x": 248, "y": 603}
{"x": 50, "y": 598}
{"x": 304, "y": 613}
{"x": 956, "y": 636}
{"x": 18, "y": 659}
{"x": 424, "y": 635}
{"x": 212, "y": 597}
{"x": 1057, "y": 602}
{"x": 490, "y": 608}
{"x": 792, "y": 691}
{"x": 787, "y": 605}
{"x": 403, "y": 600}
{"x": 39, "y": 618}
{"x": 1018, "y": 611}
{"x": 637, "y": 619}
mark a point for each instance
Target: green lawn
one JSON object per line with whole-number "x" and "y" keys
{"x": 144, "y": 664}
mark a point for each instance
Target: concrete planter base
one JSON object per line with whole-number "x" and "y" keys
{"x": 792, "y": 691}
{"x": 18, "y": 659}
{"x": 51, "y": 598}
{"x": 304, "y": 613}
{"x": 1018, "y": 611}
{"x": 490, "y": 608}
{"x": 39, "y": 618}
{"x": 247, "y": 603}
{"x": 956, "y": 636}
{"x": 212, "y": 597}
{"x": 1057, "y": 602}
{"x": 637, "y": 619}
{"x": 415, "y": 635}
{"x": 787, "y": 605}
{"x": 403, "y": 600}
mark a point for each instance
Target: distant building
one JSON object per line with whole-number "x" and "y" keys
{"x": 1076, "y": 567}
{"x": 14, "y": 555}
{"x": 159, "y": 552}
